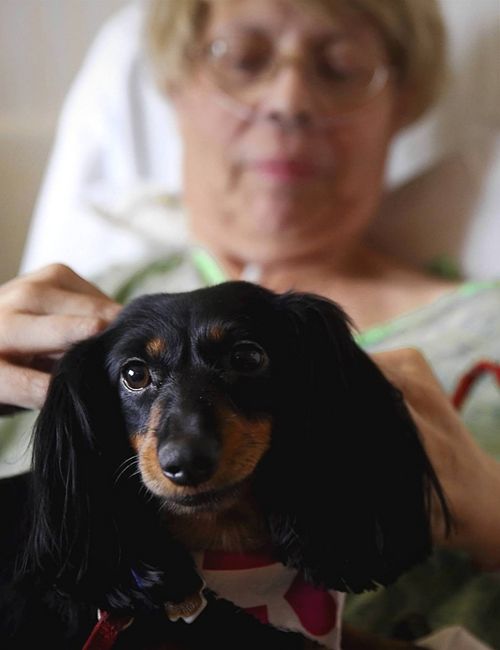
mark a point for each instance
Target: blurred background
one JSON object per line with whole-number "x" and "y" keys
{"x": 42, "y": 46}
{"x": 43, "y": 43}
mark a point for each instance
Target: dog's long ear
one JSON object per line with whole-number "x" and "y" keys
{"x": 346, "y": 483}
{"x": 77, "y": 439}
{"x": 95, "y": 530}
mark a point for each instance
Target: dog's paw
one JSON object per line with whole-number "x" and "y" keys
{"x": 188, "y": 610}
{"x": 158, "y": 587}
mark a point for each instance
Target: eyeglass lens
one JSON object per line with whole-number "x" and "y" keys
{"x": 342, "y": 74}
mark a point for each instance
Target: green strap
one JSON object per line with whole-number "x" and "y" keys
{"x": 205, "y": 264}
{"x": 124, "y": 292}
{"x": 208, "y": 267}
{"x": 376, "y": 334}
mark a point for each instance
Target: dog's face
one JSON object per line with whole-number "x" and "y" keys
{"x": 197, "y": 380}
{"x": 222, "y": 391}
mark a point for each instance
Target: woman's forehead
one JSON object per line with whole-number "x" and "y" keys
{"x": 308, "y": 15}
{"x": 308, "y": 21}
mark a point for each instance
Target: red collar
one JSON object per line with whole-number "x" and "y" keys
{"x": 108, "y": 627}
{"x": 106, "y": 630}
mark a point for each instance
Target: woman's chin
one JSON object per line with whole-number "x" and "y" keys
{"x": 275, "y": 214}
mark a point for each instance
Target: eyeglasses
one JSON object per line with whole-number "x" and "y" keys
{"x": 340, "y": 73}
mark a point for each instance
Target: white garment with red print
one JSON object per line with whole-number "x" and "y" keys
{"x": 274, "y": 594}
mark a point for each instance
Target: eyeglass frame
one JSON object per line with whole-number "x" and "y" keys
{"x": 380, "y": 76}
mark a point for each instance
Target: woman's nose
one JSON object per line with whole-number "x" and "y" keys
{"x": 289, "y": 99}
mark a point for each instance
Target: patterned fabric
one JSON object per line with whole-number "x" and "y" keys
{"x": 274, "y": 594}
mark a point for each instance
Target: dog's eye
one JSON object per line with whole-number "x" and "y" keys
{"x": 135, "y": 375}
{"x": 247, "y": 357}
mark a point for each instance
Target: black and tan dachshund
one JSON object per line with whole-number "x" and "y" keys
{"x": 227, "y": 419}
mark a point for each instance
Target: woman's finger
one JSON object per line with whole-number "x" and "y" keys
{"x": 25, "y": 334}
{"x": 34, "y": 298}
{"x": 54, "y": 275}
{"x": 64, "y": 277}
{"x": 23, "y": 387}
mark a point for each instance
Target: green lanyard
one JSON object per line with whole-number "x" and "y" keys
{"x": 207, "y": 266}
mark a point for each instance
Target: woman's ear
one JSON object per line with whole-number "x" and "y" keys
{"x": 346, "y": 483}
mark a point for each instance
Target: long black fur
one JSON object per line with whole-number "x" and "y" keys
{"x": 345, "y": 485}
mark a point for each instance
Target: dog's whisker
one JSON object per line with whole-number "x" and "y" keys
{"x": 124, "y": 467}
{"x": 163, "y": 506}
{"x": 143, "y": 489}
{"x": 126, "y": 462}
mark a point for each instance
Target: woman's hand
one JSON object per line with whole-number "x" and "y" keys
{"x": 41, "y": 315}
{"x": 469, "y": 477}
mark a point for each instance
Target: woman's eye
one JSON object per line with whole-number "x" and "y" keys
{"x": 135, "y": 375}
{"x": 250, "y": 61}
{"x": 341, "y": 63}
{"x": 248, "y": 357}
{"x": 248, "y": 54}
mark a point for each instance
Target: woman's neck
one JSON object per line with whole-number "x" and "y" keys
{"x": 345, "y": 262}
{"x": 372, "y": 287}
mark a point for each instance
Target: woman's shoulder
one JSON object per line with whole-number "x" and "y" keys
{"x": 443, "y": 309}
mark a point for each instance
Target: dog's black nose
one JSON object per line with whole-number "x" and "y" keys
{"x": 188, "y": 463}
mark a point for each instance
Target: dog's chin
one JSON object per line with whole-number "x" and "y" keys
{"x": 210, "y": 500}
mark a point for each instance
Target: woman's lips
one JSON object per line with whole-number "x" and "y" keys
{"x": 284, "y": 169}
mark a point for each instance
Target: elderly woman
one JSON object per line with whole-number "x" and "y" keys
{"x": 287, "y": 109}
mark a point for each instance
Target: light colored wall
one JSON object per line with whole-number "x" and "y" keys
{"x": 42, "y": 43}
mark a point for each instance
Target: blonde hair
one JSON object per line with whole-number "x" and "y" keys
{"x": 412, "y": 30}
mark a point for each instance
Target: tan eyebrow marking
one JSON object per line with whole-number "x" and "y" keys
{"x": 216, "y": 333}
{"x": 156, "y": 347}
